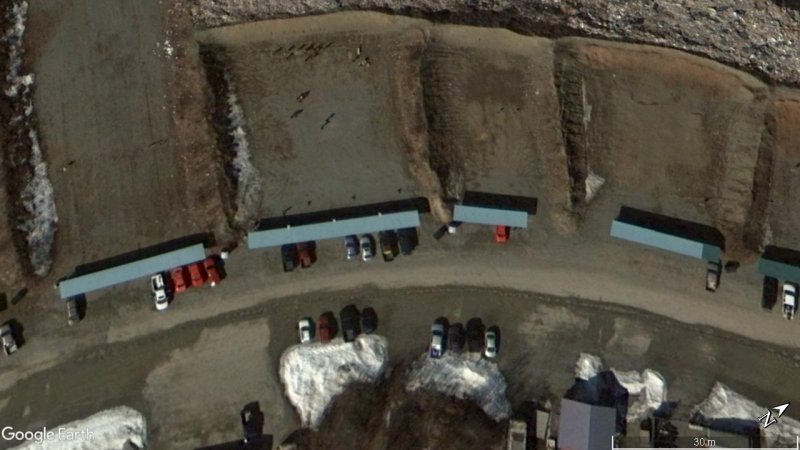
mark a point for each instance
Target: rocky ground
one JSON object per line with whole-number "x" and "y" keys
{"x": 759, "y": 36}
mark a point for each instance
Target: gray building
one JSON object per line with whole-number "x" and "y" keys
{"x": 585, "y": 427}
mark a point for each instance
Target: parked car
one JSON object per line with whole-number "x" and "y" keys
{"x": 769, "y": 293}
{"x": 73, "y": 316}
{"x": 304, "y": 329}
{"x": 490, "y": 340}
{"x": 501, "y": 234}
{"x": 456, "y": 338}
{"x": 7, "y": 337}
{"x": 388, "y": 242}
{"x": 289, "y": 257}
{"x": 713, "y": 271}
{"x": 305, "y": 251}
{"x": 437, "y": 340}
{"x": 212, "y": 270}
{"x": 351, "y": 247}
{"x": 475, "y": 335}
{"x": 159, "y": 292}
{"x": 369, "y": 320}
{"x": 197, "y": 274}
{"x": 789, "y": 300}
{"x": 252, "y": 422}
{"x": 349, "y": 320}
{"x": 178, "y": 278}
{"x": 325, "y": 328}
{"x": 367, "y": 252}
{"x": 407, "y": 240}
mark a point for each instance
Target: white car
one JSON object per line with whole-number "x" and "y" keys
{"x": 7, "y": 337}
{"x": 490, "y": 351}
{"x": 437, "y": 340}
{"x": 789, "y": 300}
{"x": 304, "y": 330}
{"x": 159, "y": 292}
{"x": 367, "y": 251}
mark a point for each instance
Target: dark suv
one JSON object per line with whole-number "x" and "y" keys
{"x": 289, "y": 256}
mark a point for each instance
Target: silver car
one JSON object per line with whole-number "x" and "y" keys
{"x": 351, "y": 247}
{"x": 367, "y": 252}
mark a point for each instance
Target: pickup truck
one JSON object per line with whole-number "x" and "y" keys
{"x": 349, "y": 318}
{"x": 517, "y": 435}
{"x": 388, "y": 241}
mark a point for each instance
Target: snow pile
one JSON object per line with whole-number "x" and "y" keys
{"x": 313, "y": 374}
{"x": 587, "y": 366}
{"x": 107, "y": 430}
{"x": 593, "y": 184}
{"x": 724, "y": 403}
{"x": 241, "y": 169}
{"x": 463, "y": 377}
{"x": 13, "y": 37}
{"x": 37, "y": 195}
{"x": 647, "y": 389}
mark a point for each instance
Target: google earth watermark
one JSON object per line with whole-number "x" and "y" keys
{"x": 60, "y": 434}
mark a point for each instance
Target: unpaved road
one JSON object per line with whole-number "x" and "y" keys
{"x": 223, "y": 344}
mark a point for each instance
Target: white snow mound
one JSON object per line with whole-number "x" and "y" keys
{"x": 110, "y": 429}
{"x": 725, "y": 403}
{"x": 648, "y": 388}
{"x": 587, "y": 366}
{"x": 463, "y": 377}
{"x": 313, "y": 374}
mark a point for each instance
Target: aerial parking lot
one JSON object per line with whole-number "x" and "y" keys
{"x": 361, "y": 340}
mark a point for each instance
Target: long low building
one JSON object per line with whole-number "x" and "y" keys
{"x": 121, "y": 273}
{"x": 486, "y": 208}
{"x": 290, "y": 234}
{"x": 666, "y": 233}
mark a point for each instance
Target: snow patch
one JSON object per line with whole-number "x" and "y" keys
{"x": 464, "y": 377}
{"x": 593, "y": 184}
{"x": 37, "y": 199}
{"x": 110, "y": 429}
{"x": 313, "y": 374}
{"x": 241, "y": 168}
{"x": 646, "y": 390}
{"x": 587, "y": 366}
{"x": 725, "y": 403}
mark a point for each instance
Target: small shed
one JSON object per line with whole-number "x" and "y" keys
{"x": 585, "y": 427}
{"x": 495, "y": 209}
{"x": 781, "y": 263}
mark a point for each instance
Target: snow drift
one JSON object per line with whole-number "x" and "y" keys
{"x": 110, "y": 429}
{"x": 313, "y": 374}
{"x": 27, "y": 164}
{"x": 647, "y": 390}
{"x": 464, "y": 377}
{"x": 241, "y": 169}
{"x": 724, "y": 403}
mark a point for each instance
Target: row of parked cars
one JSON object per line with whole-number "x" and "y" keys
{"x": 455, "y": 338}
{"x": 176, "y": 281}
{"x": 352, "y": 322}
{"x": 391, "y": 243}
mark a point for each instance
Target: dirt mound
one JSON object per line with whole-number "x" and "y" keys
{"x": 367, "y": 417}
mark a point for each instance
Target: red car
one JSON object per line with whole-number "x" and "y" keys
{"x": 178, "y": 280}
{"x": 210, "y": 265}
{"x": 197, "y": 274}
{"x": 501, "y": 233}
{"x": 305, "y": 251}
{"x": 325, "y": 330}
